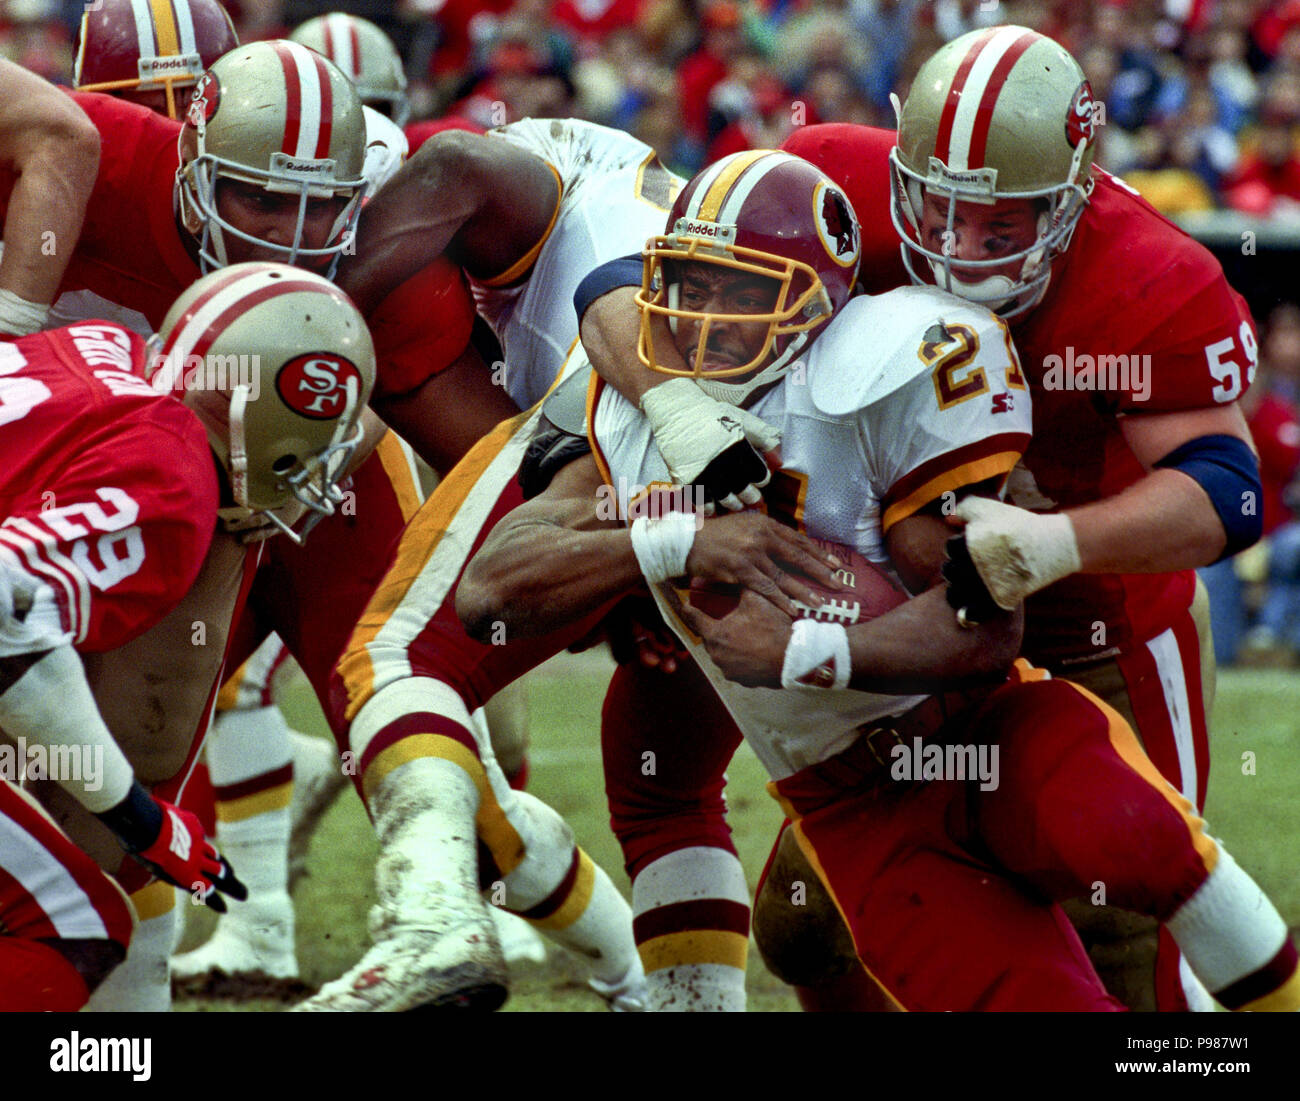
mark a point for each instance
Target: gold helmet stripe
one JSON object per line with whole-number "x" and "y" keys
{"x": 717, "y": 191}
{"x": 164, "y": 20}
{"x": 730, "y": 211}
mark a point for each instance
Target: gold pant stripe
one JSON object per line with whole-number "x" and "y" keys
{"x": 810, "y": 854}
{"x": 416, "y": 547}
{"x": 393, "y": 458}
{"x": 1131, "y": 753}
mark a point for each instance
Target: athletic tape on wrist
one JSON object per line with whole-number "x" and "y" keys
{"x": 18, "y": 317}
{"x": 663, "y": 544}
{"x": 817, "y": 656}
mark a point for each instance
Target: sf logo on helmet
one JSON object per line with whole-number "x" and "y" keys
{"x": 315, "y": 385}
{"x": 207, "y": 94}
{"x": 1081, "y": 122}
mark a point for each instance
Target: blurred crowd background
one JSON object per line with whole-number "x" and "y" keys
{"x": 1200, "y": 103}
{"x": 1201, "y": 97}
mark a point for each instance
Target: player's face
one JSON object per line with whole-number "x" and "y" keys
{"x": 712, "y": 289}
{"x": 272, "y": 217}
{"x": 980, "y": 232}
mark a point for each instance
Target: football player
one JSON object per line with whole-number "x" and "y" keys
{"x": 367, "y": 57}
{"x": 111, "y": 497}
{"x": 997, "y": 199}
{"x": 152, "y": 54}
{"x": 525, "y": 211}
{"x": 127, "y": 275}
{"x": 895, "y": 404}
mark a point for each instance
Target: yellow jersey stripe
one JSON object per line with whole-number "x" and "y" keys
{"x": 516, "y": 271}
{"x": 967, "y": 474}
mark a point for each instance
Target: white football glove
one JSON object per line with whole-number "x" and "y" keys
{"x": 710, "y": 443}
{"x": 1017, "y": 552}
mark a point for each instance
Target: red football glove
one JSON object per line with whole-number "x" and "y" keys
{"x": 170, "y": 843}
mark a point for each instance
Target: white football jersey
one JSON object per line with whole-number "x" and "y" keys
{"x": 615, "y": 195}
{"x": 905, "y": 395}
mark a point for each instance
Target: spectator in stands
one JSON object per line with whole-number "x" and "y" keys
{"x": 1275, "y": 426}
{"x": 1267, "y": 179}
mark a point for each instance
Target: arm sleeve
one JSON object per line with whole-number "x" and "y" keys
{"x": 622, "y": 272}
{"x": 949, "y": 427}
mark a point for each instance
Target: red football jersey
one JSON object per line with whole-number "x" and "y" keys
{"x": 131, "y": 252}
{"x": 108, "y": 492}
{"x": 1135, "y": 305}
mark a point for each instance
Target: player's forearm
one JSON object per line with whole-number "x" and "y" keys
{"x": 1163, "y": 522}
{"x": 47, "y": 702}
{"x": 920, "y": 647}
{"x": 53, "y": 148}
{"x": 610, "y": 329}
{"x": 534, "y": 575}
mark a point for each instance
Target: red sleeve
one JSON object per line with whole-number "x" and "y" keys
{"x": 857, "y": 158}
{"x": 108, "y": 492}
{"x": 421, "y": 328}
{"x": 1202, "y": 353}
{"x": 1149, "y": 308}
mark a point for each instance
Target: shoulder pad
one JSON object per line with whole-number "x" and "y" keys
{"x": 870, "y": 349}
{"x": 566, "y": 406}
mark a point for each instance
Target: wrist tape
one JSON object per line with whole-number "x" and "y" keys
{"x": 817, "y": 656}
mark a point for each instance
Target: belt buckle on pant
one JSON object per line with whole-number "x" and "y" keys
{"x": 870, "y": 738}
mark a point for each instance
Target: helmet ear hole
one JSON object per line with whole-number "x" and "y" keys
{"x": 284, "y": 464}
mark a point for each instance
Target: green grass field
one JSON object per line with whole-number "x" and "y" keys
{"x": 1252, "y": 808}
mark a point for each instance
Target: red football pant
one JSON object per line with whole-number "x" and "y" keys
{"x": 920, "y": 871}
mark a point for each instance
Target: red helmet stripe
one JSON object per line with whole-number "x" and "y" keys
{"x": 998, "y": 78}
{"x": 293, "y": 100}
{"x": 325, "y": 126}
{"x": 355, "y": 39}
{"x": 944, "y": 138}
{"x": 237, "y": 309}
{"x": 216, "y": 287}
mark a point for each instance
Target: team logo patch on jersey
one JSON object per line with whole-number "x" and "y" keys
{"x": 207, "y": 97}
{"x": 836, "y": 225}
{"x": 315, "y": 385}
{"x": 1080, "y": 123}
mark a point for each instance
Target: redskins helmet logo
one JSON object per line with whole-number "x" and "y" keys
{"x": 1080, "y": 123}
{"x": 315, "y": 385}
{"x": 836, "y": 225}
{"x": 207, "y": 96}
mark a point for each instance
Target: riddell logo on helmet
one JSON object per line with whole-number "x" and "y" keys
{"x": 152, "y": 67}
{"x": 315, "y": 385}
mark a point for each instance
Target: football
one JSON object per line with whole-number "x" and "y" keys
{"x": 871, "y": 591}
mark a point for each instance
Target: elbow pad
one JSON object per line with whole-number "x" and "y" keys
{"x": 1228, "y": 470}
{"x": 623, "y": 272}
